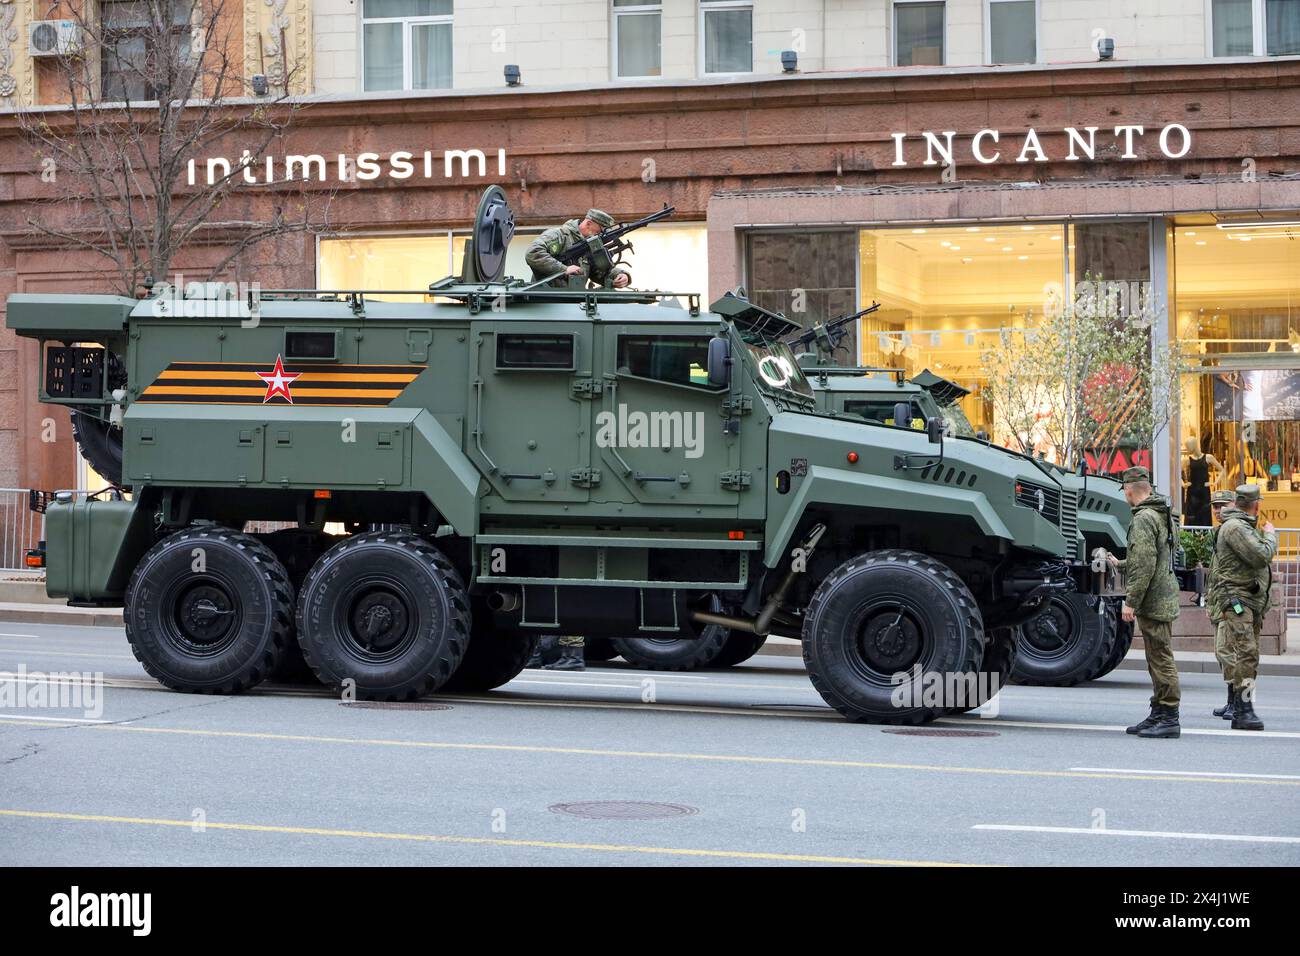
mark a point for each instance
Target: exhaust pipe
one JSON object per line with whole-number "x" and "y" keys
{"x": 503, "y": 601}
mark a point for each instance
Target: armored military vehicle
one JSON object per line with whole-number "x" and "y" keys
{"x": 1080, "y": 635}
{"x": 464, "y": 474}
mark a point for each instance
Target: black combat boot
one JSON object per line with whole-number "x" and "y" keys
{"x": 1165, "y": 725}
{"x": 1243, "y": 712}
{"x": 1145, "y": 722}
{"x": 570, "y": 660}
{"x": 1226, "y": 710}
{"x": 535, "y": 659}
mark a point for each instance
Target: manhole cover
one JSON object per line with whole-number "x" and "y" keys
{"x": 624, "y": 810}
{"x": 924, "y": 732}
{"x": 396, "y": 705}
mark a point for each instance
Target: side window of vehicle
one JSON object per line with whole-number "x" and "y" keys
{"x": 532, "y": 351}
{"x": 675, "y": 359}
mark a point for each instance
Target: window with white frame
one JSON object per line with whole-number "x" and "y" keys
{"x": 406, "y": 44}
{"x": 1012, "y": 31}
{"x": 918, "y": 33}
{"x": 727, "y": 36}
{"x": 637, "y": 32}
{"x": 1254, "y": 27}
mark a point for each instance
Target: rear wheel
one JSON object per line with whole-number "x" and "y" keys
{"x": 1068, "y": 643}
{"x": 491, "y": 659}
{"x": 209, "y": 610}
{"x": 387, "y": 611}
{"x": 739, "y": 648}
{"x": 888, "y": 635}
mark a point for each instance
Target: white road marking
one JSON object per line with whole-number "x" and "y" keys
{"x": 53, "y": 720}
{"x": 7, "y": 634}
{"x": 1107, "y": 728}
{"x": 1153, "y": 834}
{"x": 1191, "y": 773}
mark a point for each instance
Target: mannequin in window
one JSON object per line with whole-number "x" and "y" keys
{"x": 1199, "y": 469}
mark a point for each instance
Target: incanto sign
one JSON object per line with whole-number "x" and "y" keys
{"x": 987, "y": 146}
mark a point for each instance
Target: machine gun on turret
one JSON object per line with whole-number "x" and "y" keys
{"x": 827, "y": 336}
{"x": 606, "y": 250}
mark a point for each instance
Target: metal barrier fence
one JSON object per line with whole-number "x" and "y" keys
{"x": 20, "y": 528}
{"x": 1286, "y": 566}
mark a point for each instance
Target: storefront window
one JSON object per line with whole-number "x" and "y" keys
{"x": 946, "y": 292}
{"x": 672, "y": 259}
{"x": 1237, "y": 296}
{"x": 808, "y": 276}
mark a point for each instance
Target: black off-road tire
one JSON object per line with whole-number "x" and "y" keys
{"x": 884, "y": 614}
{"x": 386, "y": 612}
{"x": 1068, "y": 643}
{"x": 209, "y": 610}
{"x": 100, "y": 444}
{"x": 491, "y": 659}
{"x": 739, "y": 648}
{"x": 1123, "y": 642}
{"x": 672, "y": 653}
{"x": 1000, "y": 653}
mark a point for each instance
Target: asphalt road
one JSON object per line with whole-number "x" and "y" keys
{"x": 748, "y": 766}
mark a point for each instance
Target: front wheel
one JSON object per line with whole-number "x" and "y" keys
{"x": 892, "y": 637}
{"x": 383, "y": 614}
{"x": 1123, "y": 640}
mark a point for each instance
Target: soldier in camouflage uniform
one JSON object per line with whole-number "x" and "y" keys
{"x": 1152, "y": 598}
{"x": 1220, "y": 501}
{"x": 1239, "y": 596}
{"x": 543, "y": 250}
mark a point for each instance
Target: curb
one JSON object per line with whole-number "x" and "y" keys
{"x": 59, "y": 614}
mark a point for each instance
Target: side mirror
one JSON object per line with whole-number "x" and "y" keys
{"x": 1083, "y": 467}
{"x": 903, "y": 414}
{"x": 934, "y": 429}
{"x": 719, "y": 361}
{"x": 982, "y": 435}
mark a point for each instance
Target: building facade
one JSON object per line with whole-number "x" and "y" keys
{"x": 956, "y": 193}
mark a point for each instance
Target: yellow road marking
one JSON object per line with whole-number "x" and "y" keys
{"x": 673, "y": 755}
{"x": 479, "y": 841}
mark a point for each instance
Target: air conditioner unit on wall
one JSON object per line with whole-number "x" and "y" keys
{"x": 53, "y": 37}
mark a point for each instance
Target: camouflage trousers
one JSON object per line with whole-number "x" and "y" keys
{"x": 1158, "y": 640}
{"x": 1236, "y": 645}
{"x": 570, "y": 640}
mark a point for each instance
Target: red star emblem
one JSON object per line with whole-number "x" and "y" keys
{"x": 277, "y": 381}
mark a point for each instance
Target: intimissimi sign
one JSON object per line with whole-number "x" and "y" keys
{"x": 1082, "y": 144}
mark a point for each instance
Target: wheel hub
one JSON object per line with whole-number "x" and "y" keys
{"x": 890, "y": 641}
{"x": 1051, "y": 630}
{"x": 205, "y": 613}
{"x": 379, "y": 621}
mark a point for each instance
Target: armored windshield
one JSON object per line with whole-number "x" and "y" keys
{"x": 777, "y": 368}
